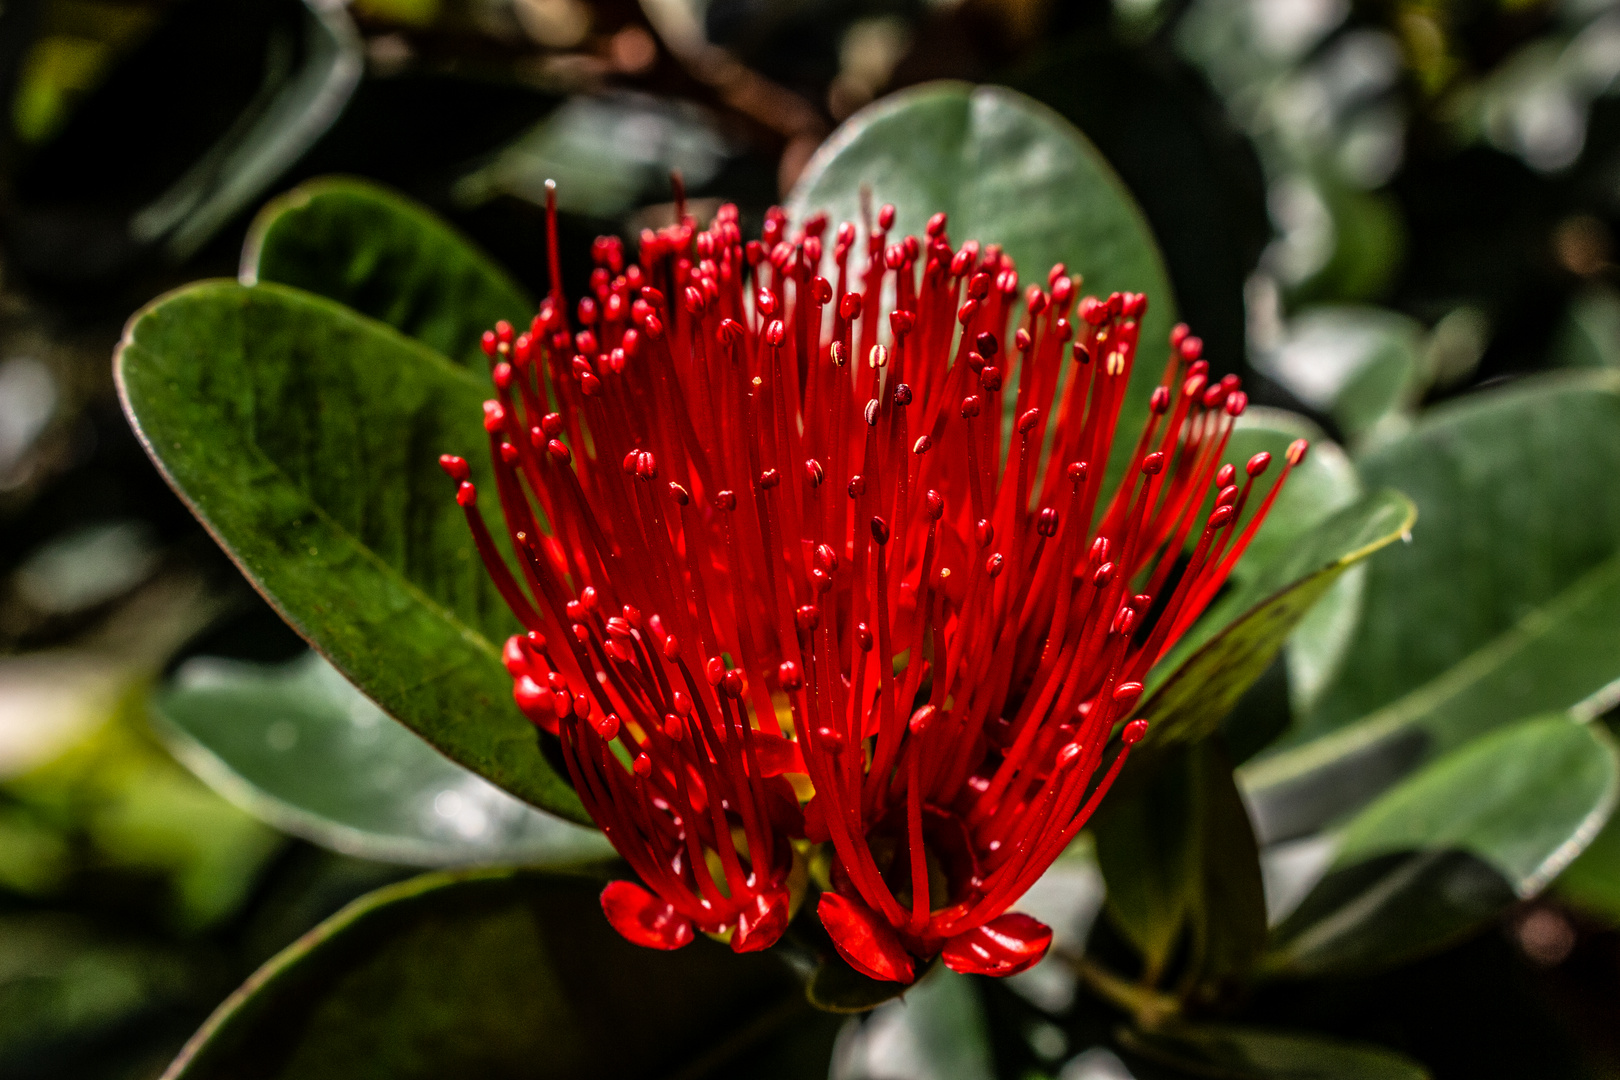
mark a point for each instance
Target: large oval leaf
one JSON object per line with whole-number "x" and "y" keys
{"x": 1007, "y": 170}
{"x": 297, "y": 745}
{"x": 383, "y": 255}
{"x": 1452, "y": 845}
{"x": 510, "y": 974}
{"x": 1504, "y": 606}
{"x": 306, "y": 437}
{"x": 1235, "y": 1052}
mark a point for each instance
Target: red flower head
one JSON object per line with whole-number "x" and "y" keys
{"x": 819, "y": 570}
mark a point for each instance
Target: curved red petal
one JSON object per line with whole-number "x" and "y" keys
{"x": 643, "y": 919}
{"x": 1003, "y": 946}
{"x": 761, "y": 925}
{"x": 777, "y": 754}
{"x": 865, "y": 940}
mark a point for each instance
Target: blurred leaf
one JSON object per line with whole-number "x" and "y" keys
{"x": 1590, "y": 334}
{"x": 1592, "y": 881}
{"x": 938, "y": 1031}
{"x": 1502, "y": 607}
{"x": 1008, "y": 171}
{"x": 1369, "y": 243}
{"x": 384, "y": 256}
{"x": 1362, "y": 365}
{"x": 835, "y": 987}
{"x": 296, "y": 745}
{"x": 34, "y": 858}
{"x": 504, "y": 973}
{"x": 1190, "y": 690}
{"x": 1452, "y": 845}
{"x": 306, "y": 438}
{"x": 1178, "y": 856}
{"x": 1231, "y": 1052}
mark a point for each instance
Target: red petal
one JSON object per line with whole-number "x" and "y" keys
{"x": 815, "y": 822}
{"x": 644, "y": 919}
{"x": 1002, "y": 946}
{"x": 865, "y": 940}
{"x": 759, "y": 926}
{"x": 777, "y": 754}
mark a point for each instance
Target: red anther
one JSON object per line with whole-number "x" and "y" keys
{"x": 725, "y": 500}
{"x": 631, "y": 615}
{"x": 902, "y": 395}
{"x": 1215, "y": 396}
{"x": 1093, "y": 311}
{"x": 1069, "y": 755}
{"x": 1141, "y": 601}
{"x": 646, "y": 466}
{"x": 714, "y": 670}
{"x": 846, "y": 232}
{"x": 789, "y": 674}
{"x": 1047, "y": 523}
{"x": 643, "y": 766}
{"x": 731, "y": 332}
{"x": 1178, "y": 334}
{"x": 894, "y": 256}
{"x": 1007, "y": 282}
{"x": 653, "y": 326}
{"x": 732, "y": 684}
{"x": 552, "y": 424}
{"x": 1226, "y": 475}
{"x": 681, "y": 496}
{"x": 812, "y": 254}
{"x": 934, "y": 504}
{"x": 821, "y": 580}
{"x": 1082, "y": 355}
{"x": 559, "y": 451}
{"x": 490, "y": 346}
{"x": 1236, "y": 402}
{"x": 1115, "y": 303}
{"x": 965, "y": 313}
{"x": 936, "y": 224}
{"x": 1125, "y": 694}
{"x": 814, "y": 473}
{"x": 607, "y": 727}
{"x": 857, "y": 486}
{"x": 585, "y": 342}
{"x": 1194, "y": 385}
{"x": 1296, "y": 451}
{"x": 830, "y": 740}
{"x": 590, "y": 598}
{"x": 501, "y": 376}
{"x": 455, "y": 467}
{"x": 1198, "y": 367}
{"x": 754, "y": 252}
{"x": 961, "y": 262}
{"x": 1160, "y": 401}
{"x": 1133, "y": 732}
{"x": 923, "y": 444}
{"x": 826, "y": 558}
{"x": 979, "y": 284}
{"x": 509, "y": 453}
{"x": 1035, "y": 299}
{"x": 1076, "y": 471}
{"x": 694, "y": 300}
{"x": 872, "y": 412}
{"x": 990, "y": 378}
{"x": 673, "y": 727}
{"x": 769, "y": 479}
{"x": 880, "y": 531}
{"x": 1027, "y": 422}
{"x": 1221, "y": 516}
{"x": 820, "y": 288}
{"x": 901, "y": 322}
{"x": 1103, "y": 575}
{"x": 993, "y": 564}
{"x": 1227, "y": 496}
{"x": 975, "y": 361}
{"x": 775, "y": 333}
{"x": 1021, "y": 340}
{"x": 590, "y": 385}
{"x": 984, "y": 533}
{"x": 1258, "y": 464}
{"x": 1135, "y": 305}
{"x": 1191, "y": 348}
{"x": 618, "y": 628}
{"x": 615, "y": 361}
{"x": 1153, "y": 464}
{"x": 1125, "y": 620}
{"x": 628, "y": 465}
{"x": 523, "y": 350}
{"x": 672, "y": 647}
{"x": 682, "y": 703}
{"x": 921, "y": 719}
{"x": 494, "y": 416}
{"x": 807, "y": 617}
{"x": 466, "y": 494}
{"x": 885, "y": 217}
{"x": 849, "y": 305}
{"x": 863, "y": 637}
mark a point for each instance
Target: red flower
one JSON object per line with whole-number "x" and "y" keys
{"x": 790, "y": 578}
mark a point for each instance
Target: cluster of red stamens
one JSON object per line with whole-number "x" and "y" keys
{"x": 796, "y": 571}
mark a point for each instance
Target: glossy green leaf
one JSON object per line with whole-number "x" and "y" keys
{"x": 504, "y": 973}
{"x": 1180, "y": 859}
{"x": 938, "y": 1031}
{"x": 298, "y": 746}
{"x": 306, "y": 438}
{"x": 1233, "y": 1052}
{"x": 1362, "y": 365}
{"x": 1007, "y": 170}
{"x": 1592, "y": 881}
{"x": 1190, "y": 690}
{"x": 385, "y": 256}
{"x": 1452, "y": 845}
{"x": 1503, "y": 606}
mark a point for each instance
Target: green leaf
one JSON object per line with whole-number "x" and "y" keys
{"x": 1362, "y": 365}
{"x": 1453, "y": 845}
{"x": 298, "y": 746}
{"x": 1232, "y": 1052}
{"x": 386, "y": 256}
{"x": 1180, "y": 858}
{"x": 1007, "y": 170}
{"x": 1190, "y": 690}
{"x": 1590, "y": 334}
{"x": 1592, "y": 881}
{"x": 1502, "y": 607}
{"x": 306, "y": 437}
{"x": 937, "y": 1031}
{"x": 504, "y": 973}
